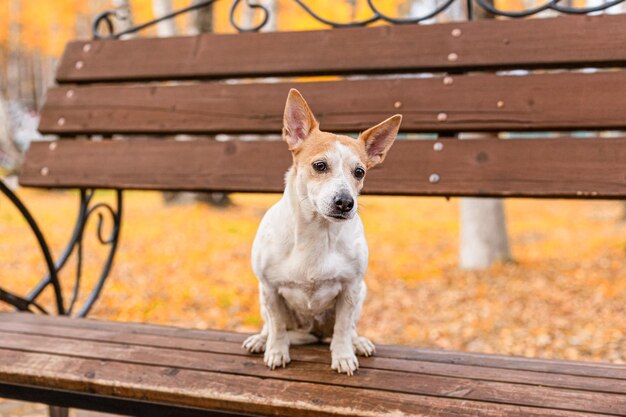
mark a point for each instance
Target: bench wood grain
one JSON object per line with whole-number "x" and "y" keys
{"x": 562, "y": 42}
{"x": 567, "y": 168}
{"x": 212, "y": 372}
{"x": 467, "y": 103}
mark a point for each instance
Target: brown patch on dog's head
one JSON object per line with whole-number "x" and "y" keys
{"x": 330, "y": 168}
{"x": 304, "y": 138}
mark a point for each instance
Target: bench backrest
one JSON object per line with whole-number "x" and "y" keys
{"x": 445, "y": 79}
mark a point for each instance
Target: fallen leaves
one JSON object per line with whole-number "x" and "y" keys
{"x": 188, "y": 265}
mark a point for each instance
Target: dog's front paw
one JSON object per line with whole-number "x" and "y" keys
{"x": 363, "y": 346}
{"x": 255, "y": 343}
{"x": 277, "y": 356}
{"x": 344, "y": 360}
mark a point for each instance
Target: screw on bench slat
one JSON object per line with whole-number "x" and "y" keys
{"x": 438, "y": 147}
{"x": 397, "y": 104}
{"x": 44, "y": 171}
{"x": 500, "y": 104}
{"x": 52, "y": 146}
{"x": 79, "y": 65}
{"x": 434, "y": 178}
{"x": 448, "y": 80}
{"x": 69, "y": 93}
{"x": 87, "y": 47}
{"x": 456, "y": 32}
{"x": 442, "y": 117}
{"x": 61, "y": 121}
{"x": 453, "y": 57}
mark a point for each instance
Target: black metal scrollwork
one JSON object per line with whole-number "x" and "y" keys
{"x": 74, "y": 246}
{"x": 106, "y": 18}
{"x": 256, "y": 28}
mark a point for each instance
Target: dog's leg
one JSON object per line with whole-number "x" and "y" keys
{"x": 277, "y": 347}
{"x": 362, "y": 345}
{"x": 256, "y": 342}
{"x": 343, "y": 358}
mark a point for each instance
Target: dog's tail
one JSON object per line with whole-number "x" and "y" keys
{"x": 297, "y": 337}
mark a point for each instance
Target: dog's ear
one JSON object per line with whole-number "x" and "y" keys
{"x": 298, "y": 120}
{"x": 378, "y": 139}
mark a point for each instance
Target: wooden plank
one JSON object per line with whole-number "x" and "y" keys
{"x": 321, "y": 355}
{"x": 103, "y": 404}
{"x": 578, "y": 168}
{"x": 476, "y": 102}
{"x": 573, "y": 368}
{"x": 371, "y": 379}
{"x": 582, "y": 41}
{"x": 212, "y": 390}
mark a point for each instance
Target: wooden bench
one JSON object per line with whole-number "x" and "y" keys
{"x": 113, "y": 88}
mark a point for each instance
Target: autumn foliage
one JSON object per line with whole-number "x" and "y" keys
{"x": 564, "y": 297}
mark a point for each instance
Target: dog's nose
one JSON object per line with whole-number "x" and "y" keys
{"x": 344, "y": 203}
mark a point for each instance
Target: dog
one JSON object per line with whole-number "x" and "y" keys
{"x": 310, "y": 253}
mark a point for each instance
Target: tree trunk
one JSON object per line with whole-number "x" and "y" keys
{"x": 167, "y": 27}
{"x": 480, "y": 13}
{"x": 13, "y": 62}
{"x": 203, "y": 20}
{"x": 484, "y": 238}
{"x": 124, "y": 15}
{"x": 272, "y": 23}
{"x": 10, "y": 156}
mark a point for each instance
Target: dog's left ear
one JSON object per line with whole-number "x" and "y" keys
{"x": 378, "y": 139}
{"x": 298, "y": 120}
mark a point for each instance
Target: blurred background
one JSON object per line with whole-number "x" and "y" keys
{"x": 540, "y": 278}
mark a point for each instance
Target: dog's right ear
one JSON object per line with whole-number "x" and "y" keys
{"x": 298, "y": 120}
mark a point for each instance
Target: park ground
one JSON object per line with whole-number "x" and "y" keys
{"x": 188, "y": 265}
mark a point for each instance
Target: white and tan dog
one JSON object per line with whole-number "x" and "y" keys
{"x": 310, "y": 253}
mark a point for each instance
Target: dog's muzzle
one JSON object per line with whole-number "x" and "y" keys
{"x": 343, "y": 204}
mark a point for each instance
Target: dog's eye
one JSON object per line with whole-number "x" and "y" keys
{"x": 320, "y": 166}
{"x": 359, "y": 173}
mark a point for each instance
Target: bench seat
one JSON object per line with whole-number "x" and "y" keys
{"x": 130, "y": 368}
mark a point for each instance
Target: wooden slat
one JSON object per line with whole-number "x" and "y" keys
{"x": 180, "y": 335}
{"x": 589, "y": 168}
{"x": 318, "y": 373}
{"x": 320, "y": 354}
{"x": 560, "y": 42}
{"x": 27, "y": 356}
{"x": 479, "y": 102}
{"x": 237, "y": 393}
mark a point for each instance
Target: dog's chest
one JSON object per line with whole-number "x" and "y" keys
{"x": 310, "y": 299}
{"x": 310, "y": 283}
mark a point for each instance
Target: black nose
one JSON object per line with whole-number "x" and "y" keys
{"x": 344, "y": 203}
